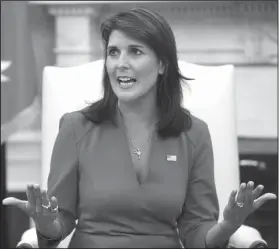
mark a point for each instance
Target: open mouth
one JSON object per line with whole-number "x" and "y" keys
{"x": 125, "y": 81}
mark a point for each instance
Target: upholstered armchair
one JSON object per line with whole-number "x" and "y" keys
{"x": 211, "y": 97}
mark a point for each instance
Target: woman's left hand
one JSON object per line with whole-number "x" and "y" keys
{"x": 244, "y": 202}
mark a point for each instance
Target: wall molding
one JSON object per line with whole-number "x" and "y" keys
{"x": 23, "y": 160}
{"x": 73, "y": 50}
{"x": 247, "y": 55}
{"x": 71, "y": 10}
{"x": 213, "y": 7}
{"x": 225, "y": 7}
{"x": 21, "y": 137}
{"x": 257, "y": 146}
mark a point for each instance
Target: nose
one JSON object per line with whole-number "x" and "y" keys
{"x": 123, "y": 61}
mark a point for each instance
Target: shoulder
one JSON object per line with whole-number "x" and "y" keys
{"x": 77, "y": 122}
{"x": 76, "y": 118}
{"x": 199, "y": 132}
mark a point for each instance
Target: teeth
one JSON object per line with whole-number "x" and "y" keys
{"x": 125, "y": 79}
{"x": 126, "y": 84}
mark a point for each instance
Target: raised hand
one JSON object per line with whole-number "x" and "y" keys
{"x": 245, "y": 201}
{"x": 43, "y": 210}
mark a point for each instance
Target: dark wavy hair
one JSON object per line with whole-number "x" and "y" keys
{"x": 152, "y": 29}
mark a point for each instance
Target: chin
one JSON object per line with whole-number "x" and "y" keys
{"x": 130, "y": 95}
{"x": 127, "y": 97}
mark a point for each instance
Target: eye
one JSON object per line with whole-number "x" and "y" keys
{"x": 136, "y": 51}
{"x": 112, "y": 52}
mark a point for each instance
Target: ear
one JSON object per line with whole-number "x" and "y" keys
{"x": 161, "y": 68}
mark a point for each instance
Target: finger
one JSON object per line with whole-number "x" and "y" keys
{"x": 241, "y": 193}
{"x": 23, "y": 205}
{"x": 263, "y": 199}
{"x": 257, "y": 191}
{"x": 45, "y": 199}
{"x": 37, "y": 191}
{"x": 31, "y": 195}
{"x": 249, "y": 192}
{"x": 14, "y": 202}
{"x": 232, "y": 198}
{"x": 17, "y": 203}
{"x": 53, "y": 202}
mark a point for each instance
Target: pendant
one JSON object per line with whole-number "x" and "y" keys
{"x": 138, "y": 152}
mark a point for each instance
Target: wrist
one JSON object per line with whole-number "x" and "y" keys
{"x": 229, "y": 225}
{"x": 219, "y": 235}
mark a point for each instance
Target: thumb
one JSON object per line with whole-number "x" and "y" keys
{"x": 232, "y": 198}
{"x": 15, "y": 202}
{"x": 263, "y": 199}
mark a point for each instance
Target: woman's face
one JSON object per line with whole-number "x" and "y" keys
{"x": 132, "y": 67}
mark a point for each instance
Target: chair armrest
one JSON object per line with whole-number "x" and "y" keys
{"x": 247, "y": 237}
{"x": 244, "y": 237}
{"x": 29, "y": 240}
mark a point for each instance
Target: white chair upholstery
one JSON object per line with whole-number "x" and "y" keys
{"x": 211, "y": 98}
{"x": 65, "y": 90}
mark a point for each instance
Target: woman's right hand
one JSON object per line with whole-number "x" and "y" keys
{"x": 41, "y": 208}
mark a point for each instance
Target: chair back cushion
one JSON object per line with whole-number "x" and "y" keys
{"x": 211, "y": 97}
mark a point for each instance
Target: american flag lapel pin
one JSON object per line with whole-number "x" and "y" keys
{"x": 171, "y": 158}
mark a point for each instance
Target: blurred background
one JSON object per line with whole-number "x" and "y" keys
{"x": 35, "y": 34}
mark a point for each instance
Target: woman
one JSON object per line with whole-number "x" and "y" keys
{"x": 135, "y": 169}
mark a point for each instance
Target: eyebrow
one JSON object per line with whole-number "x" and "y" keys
{"x": 130, "y": 46}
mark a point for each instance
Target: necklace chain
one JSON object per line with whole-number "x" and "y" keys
{"x": 136, "y": 151}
